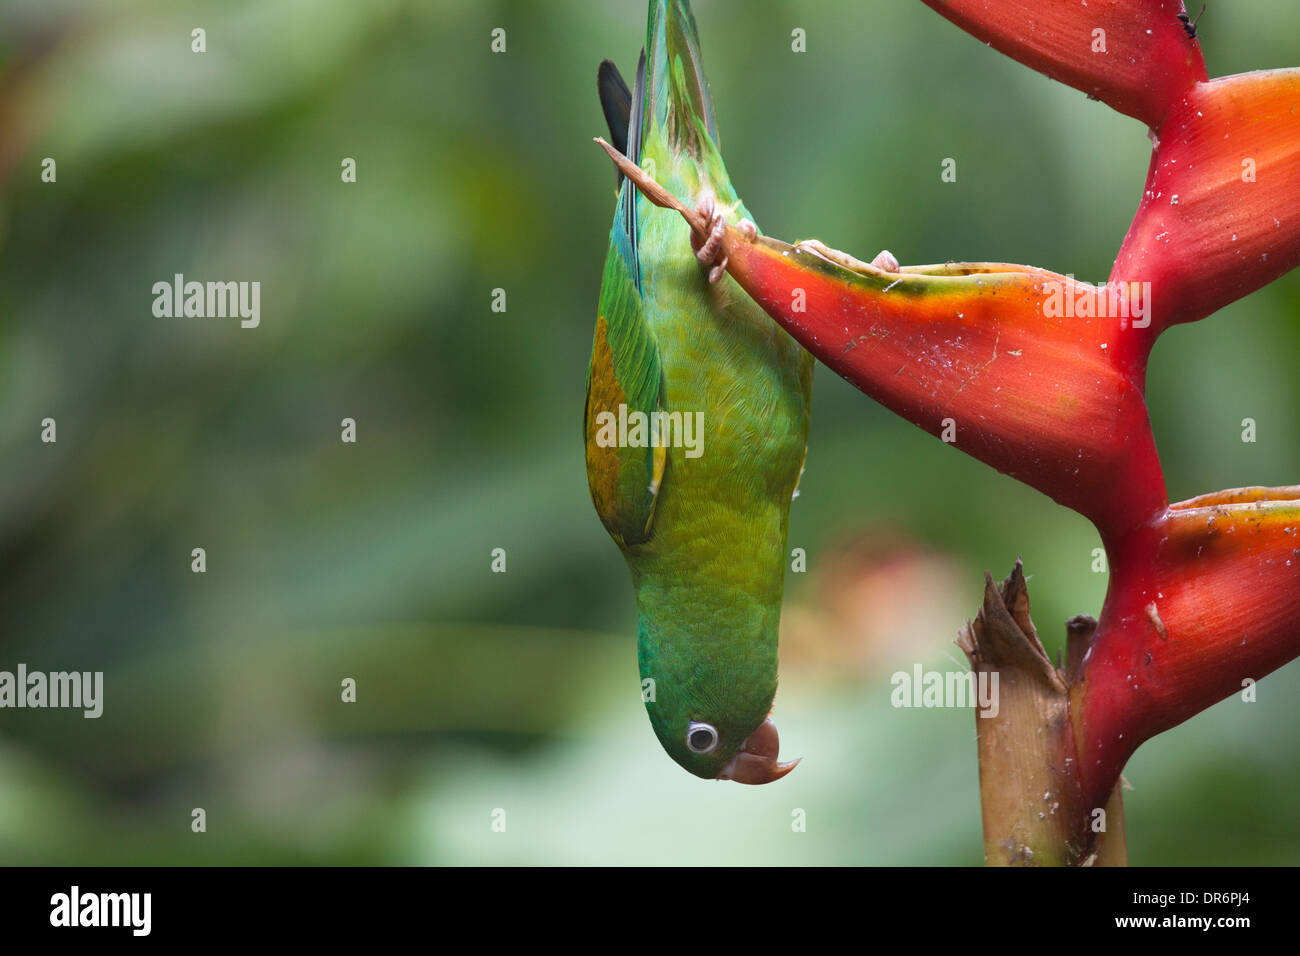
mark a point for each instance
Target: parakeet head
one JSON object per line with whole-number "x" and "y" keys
{"x": 709, "y": 701}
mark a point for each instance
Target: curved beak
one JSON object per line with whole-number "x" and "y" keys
{"x": 756, "y": 761}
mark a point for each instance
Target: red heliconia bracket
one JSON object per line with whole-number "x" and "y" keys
{"x": 1220, "y": 216}
{"x": 1044, "y": 378}
{"x": 1203, "y": 601}
{"x": 1136, "y": 56}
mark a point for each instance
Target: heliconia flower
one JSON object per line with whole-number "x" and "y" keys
{"x": 1137, "y": 56}
{"x": 1220, "y": 215}
{"x": 1032, "y": 372}
{"x": 1203, "y": 601}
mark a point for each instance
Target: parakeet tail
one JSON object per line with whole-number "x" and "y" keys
{"x": 676, "y": 90}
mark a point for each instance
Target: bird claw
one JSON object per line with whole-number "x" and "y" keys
{"x": 885, "y": 261}
{"x": 709, "y": 251}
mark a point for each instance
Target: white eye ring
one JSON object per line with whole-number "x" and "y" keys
{"x": 701, "y": 738}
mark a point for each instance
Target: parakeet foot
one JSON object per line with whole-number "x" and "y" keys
{"x": 709, "y": 251}
{"x": 884, "y": 261}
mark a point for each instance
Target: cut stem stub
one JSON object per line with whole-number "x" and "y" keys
{"x": 1030, "y": 796}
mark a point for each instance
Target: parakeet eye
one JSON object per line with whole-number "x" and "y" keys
{"x": 701, "y": 737}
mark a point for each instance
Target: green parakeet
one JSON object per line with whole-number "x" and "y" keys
{"x": 696, "y": 426}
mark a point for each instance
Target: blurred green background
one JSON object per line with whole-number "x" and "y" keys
{"x": 327, "y": 560}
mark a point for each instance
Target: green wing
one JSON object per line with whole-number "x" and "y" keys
{"x": 625, "y": 377}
